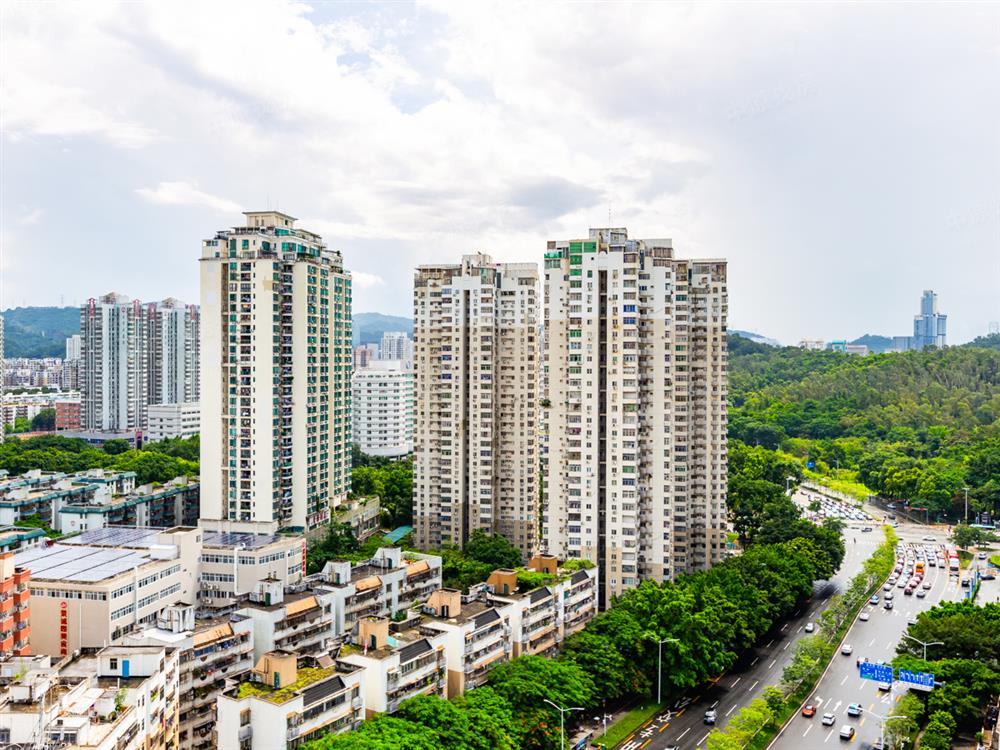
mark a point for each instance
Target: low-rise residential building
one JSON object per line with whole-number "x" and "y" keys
{"x": 233, "y": 564}
{"x": 297, "y": 621}
{"x": 362, "y": 515}
{"x": 119, "y": 698}
{"x": 381, "y": 587}
{"x": 14, "y": 538}
{"x": 396, "y": 667}
{"x": 67, "y": 414}
{"x": 174, "y": 503}
{"x": 173, "y": 420}
{"x": 15, "y": 608}
{"x": 477, "y": 635}
{"x": 289, "y": 701}
{"x": 212, "y": 654}
{"x": 86, "y": 594}
{"x": 544, "y": 616}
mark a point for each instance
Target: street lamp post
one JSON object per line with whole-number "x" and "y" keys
{"x": 882, "y": 721}
{"x": 966, "y": 505}
{"x": 604, "y": 718}
{"x": 562, "y": 721}
{"x": 659, "y": 662}
{"x": 925, "y": 645}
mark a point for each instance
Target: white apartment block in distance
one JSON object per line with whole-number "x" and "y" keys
{"x": 173, "y": 420}
{"x": 276, "y": 375}
{"x": 133, "y": 355}
{"x": 476, "y": 364}
{"x": 383, "y": 409}
{"x": 634, "y": 454}
{"x": 396, "y": 345}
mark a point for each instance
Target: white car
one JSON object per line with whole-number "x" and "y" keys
{"x": 810, "y": 627}
{"x": 847, "y": 649}
{"x": 829, "y": 720}
{"x": 864, "y": 616}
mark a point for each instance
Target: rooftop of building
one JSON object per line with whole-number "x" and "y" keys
{"x": 319, "y": 679}
{"x": 79, "y": 563}
{"x": 478, "y": 611}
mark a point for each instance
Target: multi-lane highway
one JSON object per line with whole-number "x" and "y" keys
{"x": 757, "y": 669}
{"x": 875, "y": 639}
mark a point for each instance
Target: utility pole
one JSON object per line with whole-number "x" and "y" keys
{"x": 966, "y": 505}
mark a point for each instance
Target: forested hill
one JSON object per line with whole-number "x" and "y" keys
{"x": 39, "y": 331}
{"x": 822, "y": 394}
{"x": 918, "y": 426}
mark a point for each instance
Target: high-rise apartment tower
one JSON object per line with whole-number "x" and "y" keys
{"x": 634, "y": 439}
{"x": 476, "y": 365}
{"x": 276, "y": 375}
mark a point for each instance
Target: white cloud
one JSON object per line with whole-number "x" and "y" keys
{"x": 186, "y": 194}
{"x": 31, "y": 216}
{"x": 414, "y": 133}
{"x": 362, "y": 280}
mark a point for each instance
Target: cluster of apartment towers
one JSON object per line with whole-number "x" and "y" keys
{"x": 588, "y": 422}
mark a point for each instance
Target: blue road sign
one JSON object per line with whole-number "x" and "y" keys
{"x": 878, "y": 672}
{"x": 917, "y": 680}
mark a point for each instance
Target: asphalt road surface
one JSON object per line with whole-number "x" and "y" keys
{"x": 875, "y": 639}
{"x": 760, "y": 667}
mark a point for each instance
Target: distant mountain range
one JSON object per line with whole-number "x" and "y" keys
{"x": 755, "y": 337}
{"x": 39, "y": 331}
{"x": 876, "y": 344}
{"x": 369, "y": 327}
{"x": 42, "y": 331}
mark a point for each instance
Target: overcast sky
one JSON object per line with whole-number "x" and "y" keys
{"x": 842, "y": 157}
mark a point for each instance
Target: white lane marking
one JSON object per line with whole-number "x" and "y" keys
{"x": 737, "y": 681}
{"x": 872, "y": 643}
{"x": 684, "y": 732}
{"x": 784, "y": 626}
{"x": 807, "y": 730}
{"x": 730, "y": 709}
{"x": 799, "y": 630}
{"x": 828, "y": 736}
{"x": 769, "y": 643}
{"x": 771, "y": 664}
{"x": 785, "y": 647}
{"x": 715, "y": 704}
{"x": 703, "y": 739}
{"x": 755, "y": 660}
{"x": 753, "y": 686}
{"x": 844, "y": 680}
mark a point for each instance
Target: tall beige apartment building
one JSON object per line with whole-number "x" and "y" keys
{"x": 476, "y": 364}
{"x": 634, "y": 429}
{"x": 276, "y": 375}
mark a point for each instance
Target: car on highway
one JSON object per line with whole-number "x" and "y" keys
{"x": 911, "y": 620}
{"x": 810, "y": 627}
{"x": 885, "y": 687}
{"x": 847, "y": 732}
{"x": 981, "y": 555}
{"x": 809, "y": 711}
{"x": 908, "y": 591}
{"x": 847, "y": 649}
{"x": 888, "y": 604}
{"x": 890, "y": 596}
{"x": 828, "y": 720}
{"x": 866, "y": 528}
{"x": 932, "y": 562}
{"x": 927, "y": 585}
{"x": 921, "y": 593}
{"x": 864, "y": 616}
{"x": 902, "y": 583}
{"x": 928, "y": 538}
{"x": 874, "y": 599}
{"x": 709, "y": 717}
{"x": 987, "y": 576}
{"x": 887, "y": 586}
{"x": 854, "y": 709}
